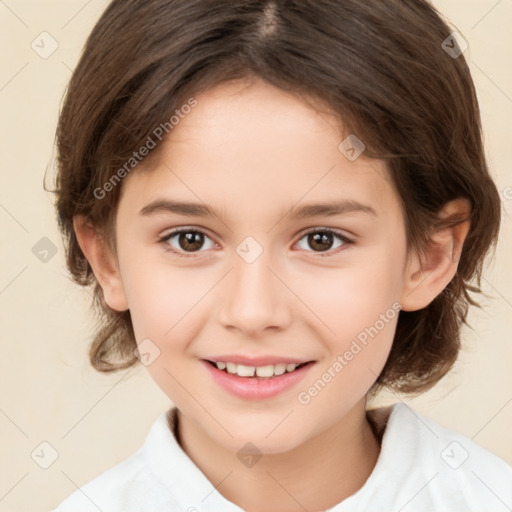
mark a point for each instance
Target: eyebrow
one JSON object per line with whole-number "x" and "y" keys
{"x": 339, "y": 207}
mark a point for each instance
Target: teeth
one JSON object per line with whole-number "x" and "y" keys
{"x": 231, "y": 367}
{"x": 265, "y": 371}
{"x": 245, "y": 371}
{"x": 260, "y": 371}
{"x": 279, "y": 369}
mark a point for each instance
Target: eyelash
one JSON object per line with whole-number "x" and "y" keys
{"x": 346, "y": 241}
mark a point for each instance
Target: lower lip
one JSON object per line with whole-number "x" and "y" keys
{"x": 257, "y": 388}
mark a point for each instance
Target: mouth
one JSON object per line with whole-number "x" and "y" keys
{"x": 256, "y": 372}
{"x": 249, "y": 382}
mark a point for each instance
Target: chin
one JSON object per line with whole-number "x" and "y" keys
{"x": 254, "y": 445}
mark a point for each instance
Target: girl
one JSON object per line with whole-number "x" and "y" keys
{"x": 282, "y": 206}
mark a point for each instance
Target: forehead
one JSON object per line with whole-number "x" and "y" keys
{"x": 257, "y": 146}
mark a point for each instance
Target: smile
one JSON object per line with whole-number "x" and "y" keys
{"x": 260, "y": 382}
{"x": 267, "y": 371}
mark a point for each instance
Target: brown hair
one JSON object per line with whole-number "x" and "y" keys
{"x": 379, "y": 65}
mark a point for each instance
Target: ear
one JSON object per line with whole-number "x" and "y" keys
{"x": 103, "y": 263}
{"x": 428, "y": 275}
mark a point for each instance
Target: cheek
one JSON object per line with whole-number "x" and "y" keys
{"x": 346, "y": 300}
{"x": 363, "y": 322}
{"x": 161, "y": 296}
{"x": 164, "y": 301}
{"x": 358, "y": 308}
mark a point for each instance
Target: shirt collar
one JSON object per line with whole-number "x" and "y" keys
{"x": 177, "y": 472}
{"x": 190, "y": 487}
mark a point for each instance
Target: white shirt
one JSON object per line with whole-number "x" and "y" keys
{"x": 422, "y": 467}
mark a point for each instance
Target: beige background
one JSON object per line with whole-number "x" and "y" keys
{"x": 49, "y": 392}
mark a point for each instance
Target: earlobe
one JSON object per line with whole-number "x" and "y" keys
{"x": 103, "y": 263}
{"x": 428, "y": 275}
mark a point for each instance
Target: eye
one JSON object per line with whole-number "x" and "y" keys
{"x": 187, "y": 240}
{"x": 322, "y": 240}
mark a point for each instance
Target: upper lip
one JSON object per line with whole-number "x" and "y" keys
{"x": 257, "y": 361}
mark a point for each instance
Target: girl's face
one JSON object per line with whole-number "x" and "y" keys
{"x": 248, "y": 280}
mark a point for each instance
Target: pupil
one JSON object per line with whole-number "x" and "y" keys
{"x": 188, "y": 239}
{"x": 321, "y": 240}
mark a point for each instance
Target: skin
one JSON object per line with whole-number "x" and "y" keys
{"x": 252, "y": 152}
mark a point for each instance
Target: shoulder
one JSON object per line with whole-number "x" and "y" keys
{"x": 435, "y": 468}
{"x": 124, "y": 487}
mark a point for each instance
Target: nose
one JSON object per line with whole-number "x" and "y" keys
{"x": 254, "y": 299}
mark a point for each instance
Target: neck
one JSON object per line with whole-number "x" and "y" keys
{"x": 316, "y": 475}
